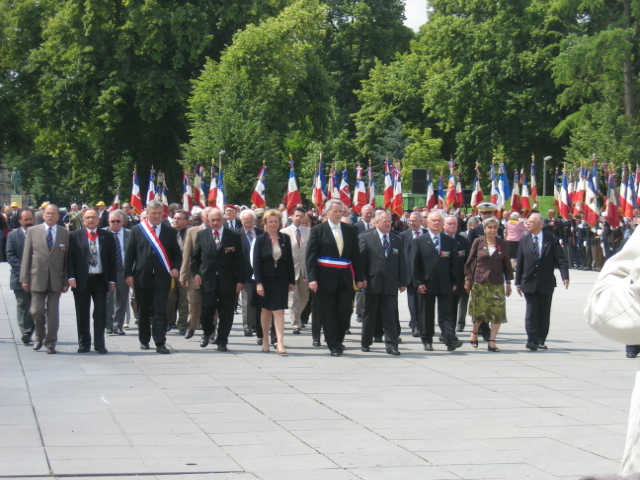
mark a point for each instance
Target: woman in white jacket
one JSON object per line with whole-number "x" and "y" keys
{"x": 613, "y": 310}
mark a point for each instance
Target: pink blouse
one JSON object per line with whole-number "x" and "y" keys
{"x": 515, "y": 231}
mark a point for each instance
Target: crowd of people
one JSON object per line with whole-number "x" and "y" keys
{"x": 191, "y": 271}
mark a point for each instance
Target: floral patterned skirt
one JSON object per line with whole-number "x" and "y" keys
{"x": 488, "y": 303}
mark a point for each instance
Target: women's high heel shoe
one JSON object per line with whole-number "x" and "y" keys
{"x": 282, "y": 352}
{"x": 474, "y": 343}
{"x": 492, "y": 349}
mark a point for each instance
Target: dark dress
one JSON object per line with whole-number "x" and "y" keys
{"x": 274, "y": 275}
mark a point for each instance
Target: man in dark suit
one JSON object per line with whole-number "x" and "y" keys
{"x": 434, "y": 276}
{"x": 148, "y": 269}
{"x": 332, "y": 256}
{"x": 462, "y": 249}
{"x": 218, "y": 268}
{"x": 539, "y": 253}
{"x": 118, "y": 298}
{"x": 103, "y": 215}
{"x": 178, "y": 302}
{"x": 230, "y": 214}
{"x": 248, "y": 234}
{"x": 414, "y": 231}
{"x": 15, "y": 247}
{"x": 91, "y": 266}
{"x": 385, "y": 273}
{"x": 366, "y": 217}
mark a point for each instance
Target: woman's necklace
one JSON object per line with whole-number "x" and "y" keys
{"x": 491, "y": 243}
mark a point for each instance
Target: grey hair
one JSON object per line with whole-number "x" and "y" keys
{"x": 490, "y": 220}
{"x": 123, "y": 215}
{"x": 154, "y": 204}
{"x": 247, "y": 212}
{"x": 380, "y": 213}
{"x": 332, "y": 202}
{"x": 473, "y": 221}
{"x": 514, "y": 216}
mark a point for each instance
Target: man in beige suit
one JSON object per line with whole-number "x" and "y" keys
{"x": 186, "y": 278}
{"x": 44, "y": 274}
{"x": 300, "y": 295}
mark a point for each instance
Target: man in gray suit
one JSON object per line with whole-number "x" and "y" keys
{"x": 44, "y": 274}
{"x": 15, "y": 247}
{"x": 118, "y": 298}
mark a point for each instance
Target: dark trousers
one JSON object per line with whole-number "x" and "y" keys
{"x": 223, "y": 305}
{"x": 147, "y": 299}
{"x": 459, "y": 306}
{"x": 117, "y": 302}
{"x": 413, "y": 299}
{"x": 23, "y": 303}
{"x": 95, "y": 290}
{"x": 316, "y": 322}
{"x": 427, "y": 317}
{"x": 333, "y": 309}
{"x": 537, "y": 316}
{"x": 380, "y": 306}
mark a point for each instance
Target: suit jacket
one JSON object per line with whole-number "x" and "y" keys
{"x": 263, "y": 264}
{"x": 494, "y": 268}
{"x": 246, "y": 251}
{"x": 237, "y": 224}
{"x": 436, "y": 271}
{"x": 142, "y": 263}
{"x": 537, "y": 274}
{"x": 125, "y": 232}
{"x": 383, "y": 274}
{"x": 44, "y": 270}
{"x": 298, "y": 251}
{"x": 104, "y": 219}
{"x": 322, "y": 243}
{"x": 224, "y": 266}
{"x": 462, "y": 253}
{"x": 15, "y": 247}
{"x": 361, "y": 227}
{"x": 78, "y": 258}
{"x": 407, "y": 244}
{"x": 187, "y": 250}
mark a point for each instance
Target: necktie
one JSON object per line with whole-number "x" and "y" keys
{"x": 366, "y": 226}
{"x": 250, "y": 236}
{"x": 436, "y": 243}
{"x": 156, "y": 229}
{"x": 49, "y": 239}
{"x": 216, "y": 239}
{"x": 338, "y": 235}
{"x": 416, "y": 233}
{"x": 93, "y": 248}
{"x": 298, "y": 236}
{"x": 385, "y": 245}
{"x": 118, "y": 253}
{"x": 536, "y": 247}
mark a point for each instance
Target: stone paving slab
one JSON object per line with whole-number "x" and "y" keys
{"x": 201, "y": 414}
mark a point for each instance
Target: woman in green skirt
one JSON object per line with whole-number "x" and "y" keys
{"x": 488, "y": 274}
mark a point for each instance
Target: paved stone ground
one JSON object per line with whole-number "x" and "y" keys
{"x": 198, "y": 414}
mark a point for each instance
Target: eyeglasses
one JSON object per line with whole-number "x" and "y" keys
{"x": 115, "y": 221}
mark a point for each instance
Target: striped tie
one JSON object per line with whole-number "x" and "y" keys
{"x": 49, "y": 239}
{"x": 118, "y": 253}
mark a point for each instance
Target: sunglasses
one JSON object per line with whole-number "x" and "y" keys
{"x": 115, "y": 221}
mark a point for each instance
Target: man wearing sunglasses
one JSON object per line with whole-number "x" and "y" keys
{"x": 118, "y": 298}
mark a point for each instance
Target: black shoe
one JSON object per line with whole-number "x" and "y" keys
{"x": 109, "y": 331}
{"x": 393, "y": 351}
{"x": 144, "y": 346}
{"x": 441, "y": 339}
{"x": 162, "y": 349}
{"x": 189, "y": 334}
{"x": 182, "y": 331}
{"x": 542, "y": 346}
{"x": 119, "y": 331}
{"x": 365, "y": 349}
{"x": 222, "y": 348}
{"x": 316, "y": 343}
{"x": 247, "y": 332}
{"x": 378, "y": 340}
{"x": 296, "y": 331}
{"x": 460, "y": 328}
{"x": 37, "y": 345}
{"x": 632, "y": 355}
{"x": 204, "y": 341}
{"x": 399, "y": 340}
{"x": 453, "y": 345}
{"x": 103, "y": 350}
{"x": 169, "y": 327}
{"x": 83, "y": 350}
{"x": 335, "y": 353}
{"x": 359, "y": 318}
{"x": 428, "y": 347}
{"x": 532, "y": 346}
{"x": 348, "y": 332}
{"x": 26, "y": 338}
{"x": 415, "y": 333}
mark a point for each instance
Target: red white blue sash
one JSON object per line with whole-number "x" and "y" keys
{"x": 333, "y": 262}
{"x": 150, "y": 234}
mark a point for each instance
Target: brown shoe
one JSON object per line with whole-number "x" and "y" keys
{"x": 37, "y": 345}
{"x": 51, "y": 350}
{"x": 190, "y": 333}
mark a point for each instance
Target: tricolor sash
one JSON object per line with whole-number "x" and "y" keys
{"x": 157, "y": 247}
{"x": 333, "y": 262}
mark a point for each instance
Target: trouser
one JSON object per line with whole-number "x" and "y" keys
{"x": 178, "y": 301}
{"x": 413, "y": 301}
{"x": 250, "y": 314}
{"x": 223, "y": 305}
{"x": 195, "y": 305}
{"x": 23, "y": 303}
{"x": 427, "y": 317}
{"x": 298, "y": 299}
{"x": 118, "y": 302}
{"x": 45, "y": 311}
{"x": 95, "y": 291}
{"x": 147, "y": 299}
{"x": 537, "y": 316}
{"x": 333, "y": 309}
{"x": 380, "y": 306}
{"x": 459, "y": 306}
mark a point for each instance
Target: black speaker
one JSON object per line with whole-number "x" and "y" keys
{"x": 419, "y": 183}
